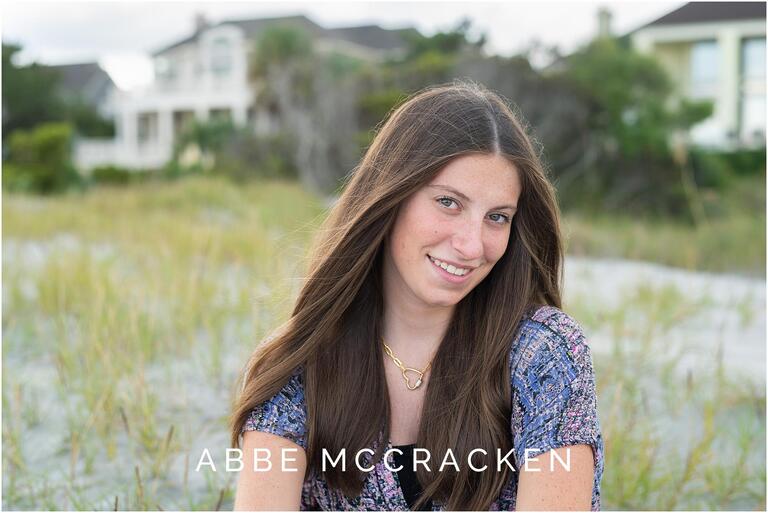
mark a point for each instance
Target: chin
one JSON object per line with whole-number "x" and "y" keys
{"x": 443, "y": 301}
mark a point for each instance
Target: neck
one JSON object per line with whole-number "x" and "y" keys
{"x": 412, "y": 329}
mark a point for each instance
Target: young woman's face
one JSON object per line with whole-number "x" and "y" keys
{"x": 460, "y": 220}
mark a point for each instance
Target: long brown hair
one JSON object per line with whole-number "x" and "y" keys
{"x": 336, "y": 321}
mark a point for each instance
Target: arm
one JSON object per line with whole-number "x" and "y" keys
{"x": 554, "y": 412}
{"x": 273, "y": 489}
{"x": 558, "y": 489}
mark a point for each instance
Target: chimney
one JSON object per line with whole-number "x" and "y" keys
{"x": 201, "y": 23}
{"x": 603, "y": 22}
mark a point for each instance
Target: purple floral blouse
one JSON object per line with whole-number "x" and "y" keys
{"x": 553, "y": 405}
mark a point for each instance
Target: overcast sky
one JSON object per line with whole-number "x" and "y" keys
{"x": 119, "y": 35}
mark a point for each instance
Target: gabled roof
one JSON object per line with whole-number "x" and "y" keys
{"x": 371, "y": 36}
{"x": 86, "y": 80}
{"x": 253, "y": 27}
{"x": 703, "y": 12}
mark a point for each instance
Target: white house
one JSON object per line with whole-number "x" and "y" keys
{"x": 205, "y": 76}
{"x": 715, "y": 51}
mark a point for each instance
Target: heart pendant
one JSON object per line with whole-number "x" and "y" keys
{"x": 408, "y": 380}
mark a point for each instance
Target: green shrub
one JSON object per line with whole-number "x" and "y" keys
{"x": 16, "y": 178}
{"x": 710, "y": 169}
{"x": 173, "y": 170}
{"x": 88, "y": 122}
{"x": 249, "y": 156}
{"x": 209, "y": 136}
{"x": 40, "y": 160}
{"x": 745, "y": 162}
{"x": 718, "y": 169}
{"x": 111, "y": 174}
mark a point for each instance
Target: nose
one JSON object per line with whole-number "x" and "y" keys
{"x": 468, "y": 240}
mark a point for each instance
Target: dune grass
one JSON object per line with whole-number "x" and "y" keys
{"x": 731, "y": 240}
{"x": 675, "y": 439}
{"x": 108, "y": 295}
{"x": 128, "y": 313}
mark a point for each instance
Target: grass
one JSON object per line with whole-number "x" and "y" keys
{"x": 734, "y": 245}
{"x": 732, "y": 239}
{"x": 117, "y": 290}
{"x": 673, "y": 440}
{"x": 128, "y": 313}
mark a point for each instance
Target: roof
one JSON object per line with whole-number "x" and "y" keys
{"x": 703, "y": 12}
{"x": 692, "y": 12}
{"x": 253, "y": 27}
{"x": 371, "y": 36}
{"x": 86, "y": 80}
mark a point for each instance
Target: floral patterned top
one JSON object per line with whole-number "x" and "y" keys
{"x": 554, "y": 404}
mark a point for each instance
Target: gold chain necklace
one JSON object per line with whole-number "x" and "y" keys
{"x": 405, "y": 370}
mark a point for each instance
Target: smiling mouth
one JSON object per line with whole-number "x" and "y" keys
{"x": 459, "y": 272}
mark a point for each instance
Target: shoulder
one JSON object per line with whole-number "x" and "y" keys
{"x": 284, "y": 414}
{"x": 547, "y": 334}
{"x": 292, "y": 391}
{"x": 294, "y": 387}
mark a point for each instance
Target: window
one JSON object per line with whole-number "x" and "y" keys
{"x": 703, "y": 70}
{"x": 752, "y": 100}
{"x": 753, "y": 59}
{"x": 164, "y": 69}
{"x": 221, "y": 56}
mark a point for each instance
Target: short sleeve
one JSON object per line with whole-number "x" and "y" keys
{"x": 283, "y": 415}
{"x": 553, "y": 389}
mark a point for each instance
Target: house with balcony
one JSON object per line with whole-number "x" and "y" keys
{"x": 205, "y": 76}
{"x": 715, "y": 51}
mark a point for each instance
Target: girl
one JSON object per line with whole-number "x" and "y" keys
{"x": 429, "y": 324}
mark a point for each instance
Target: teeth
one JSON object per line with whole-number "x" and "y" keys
{"x": 458, "y": 271}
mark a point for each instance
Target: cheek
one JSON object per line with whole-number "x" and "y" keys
{"x": 496, "y": 248}
{"x": 408, "y": 235}
{"x": 420, "y": 228}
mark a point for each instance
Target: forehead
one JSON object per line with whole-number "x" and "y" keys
{"x": 489, "y": 178}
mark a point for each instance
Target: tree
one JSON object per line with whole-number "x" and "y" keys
{"x": 32, "y": 95}
{"x": 433, "y": 59}
{"x": 87, "y": 120}
{"x": 451, "y": 42}
{"x": 428, "y": 60}
{"x": 631, "y": 123}
{"x": 29, "y": 94}
{"x": 313, "y": 101}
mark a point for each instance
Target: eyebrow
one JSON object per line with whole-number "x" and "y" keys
{"x": 466, "y": 198}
